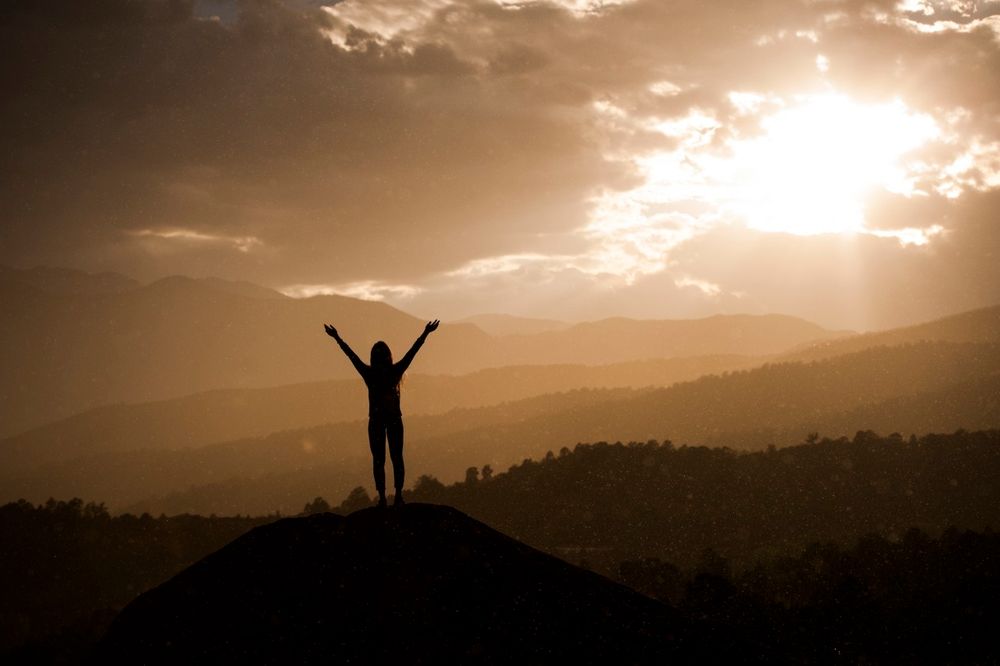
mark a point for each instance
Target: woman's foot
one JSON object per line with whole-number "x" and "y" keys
{"x": 381, "y": 502}
{"x": 398, "y": 500}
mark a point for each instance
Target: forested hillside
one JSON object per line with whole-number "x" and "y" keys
{"x": 609, "y": 502}
{"x": 759, "y": 543}
{"x": 907, "y": 389}
{"x": 231, "y": 414}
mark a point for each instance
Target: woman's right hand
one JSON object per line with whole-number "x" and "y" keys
{"x": 431, "y": 326}
{"x": 331, "y": 331}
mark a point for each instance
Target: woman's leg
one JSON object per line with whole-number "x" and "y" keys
{"x": 394, "y": 431}
{"x": 376, "y": 442}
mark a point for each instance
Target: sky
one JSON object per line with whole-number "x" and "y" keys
{"x": 837, "y": 160}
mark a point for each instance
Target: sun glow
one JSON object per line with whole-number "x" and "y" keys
{"x": 808, "y": 170}
{"x": 812, "y": 167}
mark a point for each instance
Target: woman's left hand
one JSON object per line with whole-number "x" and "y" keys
{"x": 431, "y": 326}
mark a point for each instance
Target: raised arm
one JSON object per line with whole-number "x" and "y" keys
{"x": 404, "y": 362}
{"x": 359, "y": 365}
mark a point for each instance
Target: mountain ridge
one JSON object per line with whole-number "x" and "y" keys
{"x": 778, "y": 405}
{"x": 63, "y": 354}
{"x": 229, "y": 414}
{"x": 979, "y": 325}
{"x": 689, "y": 413}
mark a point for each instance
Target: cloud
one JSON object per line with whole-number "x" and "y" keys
{"x": 584, "y": 156}
{"x": 239, "y": 243}
{"x": 861, "y": 281}
{"x": 706, "y": 287}
{"x": 386, "y": 158}
{"x": 368, "y": 290}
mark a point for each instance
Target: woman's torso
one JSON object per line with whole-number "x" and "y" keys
{"x": 383, "y": 393}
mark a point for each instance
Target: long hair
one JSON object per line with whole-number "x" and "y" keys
{"x": 381, "y": 356}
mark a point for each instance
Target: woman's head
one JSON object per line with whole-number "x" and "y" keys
{"x": 381, "y": 355}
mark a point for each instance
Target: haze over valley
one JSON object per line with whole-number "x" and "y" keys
{"x": 742, "y": 382}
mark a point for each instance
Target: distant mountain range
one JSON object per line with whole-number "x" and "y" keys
{"x": 74, "y": 341}
{"x": 502, "y": 324}
{"x": 982, "y": 325}
{"x": 256, "y": 450}
{"x": 229, "y": 414}
{"x": 908, "y": 389}
{"x": 929, "y": 387}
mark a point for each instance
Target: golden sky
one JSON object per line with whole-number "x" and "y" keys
{"x": 836, "y": 160}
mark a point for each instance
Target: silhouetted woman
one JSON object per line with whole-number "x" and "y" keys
{"x": 385, "y": 420}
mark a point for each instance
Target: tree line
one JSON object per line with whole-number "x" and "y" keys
{"x": 68, "y": 566}
{"x": 608, "y": 502}
{"x": 738, "y": 539}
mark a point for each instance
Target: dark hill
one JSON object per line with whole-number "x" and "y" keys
{"x": 422, "y": 584}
